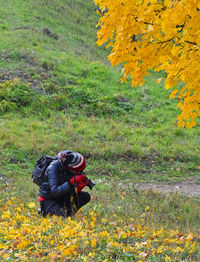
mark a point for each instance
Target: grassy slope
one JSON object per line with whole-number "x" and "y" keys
{"x": 137, "y": 139}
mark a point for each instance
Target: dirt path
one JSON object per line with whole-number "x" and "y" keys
{"x": 189, "y": 188}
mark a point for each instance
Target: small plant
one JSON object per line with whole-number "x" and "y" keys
{"x": 14, "y": 94}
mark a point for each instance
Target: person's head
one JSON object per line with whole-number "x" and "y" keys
{"x": 74, "y": 161}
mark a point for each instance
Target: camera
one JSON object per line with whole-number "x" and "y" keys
{"x": 90, "y": 184}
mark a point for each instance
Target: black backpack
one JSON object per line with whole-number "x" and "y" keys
{"x": 40, "y": 168}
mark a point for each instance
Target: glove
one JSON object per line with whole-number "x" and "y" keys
{"x": 77, "y": 179}
{"x": 81, "y": 185}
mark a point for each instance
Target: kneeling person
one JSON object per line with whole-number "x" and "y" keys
{"x": 61, "y": 192}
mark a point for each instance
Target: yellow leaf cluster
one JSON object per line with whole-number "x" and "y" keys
{"x": 159, "y": 35}
{"x": 29, "y": 237}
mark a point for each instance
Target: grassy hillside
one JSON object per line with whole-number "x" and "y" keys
{"x": 61, "y": 93}
{"x": 73, "y": 21}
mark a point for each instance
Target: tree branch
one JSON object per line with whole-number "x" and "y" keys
{"x": 189, "y": 42}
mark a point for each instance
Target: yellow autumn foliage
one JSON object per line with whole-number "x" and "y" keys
{"x": 34, "y": 238}
{"x": 159, "y": 35}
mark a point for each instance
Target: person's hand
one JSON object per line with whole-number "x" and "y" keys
{"x": 81, "y": 185}
{"x": 77, "y": 179}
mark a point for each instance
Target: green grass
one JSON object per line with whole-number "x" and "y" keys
{"x": 73, "y": 21}
{"x": 78, "y": 102}
{"x": 147, "y": 145}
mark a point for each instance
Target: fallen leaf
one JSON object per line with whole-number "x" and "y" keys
{"x": 158, "y": 80}
{"x": 31, "y": 205}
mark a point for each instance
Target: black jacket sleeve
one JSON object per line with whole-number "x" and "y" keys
{"x": 56, "y": 188}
